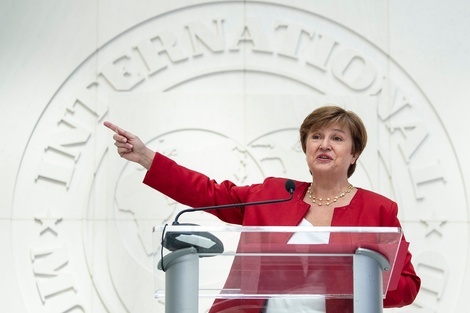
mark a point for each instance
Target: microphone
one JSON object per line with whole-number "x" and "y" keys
{"x": 290, "y": 187}
{"x": 205, "y": 242}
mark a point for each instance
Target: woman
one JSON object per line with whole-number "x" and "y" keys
{"x": 332, "y": 140}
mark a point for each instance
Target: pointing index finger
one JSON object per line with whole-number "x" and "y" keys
{"x": 114, "y": 128}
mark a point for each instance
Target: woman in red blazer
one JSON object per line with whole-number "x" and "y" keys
{"x": 332, "y": 140}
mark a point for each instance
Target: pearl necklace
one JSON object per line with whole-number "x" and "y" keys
{"x": 328, "y": 200}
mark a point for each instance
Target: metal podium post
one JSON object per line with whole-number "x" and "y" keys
{"x": 182, "y": 280}
{"x": 367, "y": 271}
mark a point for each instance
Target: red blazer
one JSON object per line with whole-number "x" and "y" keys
{"x": 197, "y": 190}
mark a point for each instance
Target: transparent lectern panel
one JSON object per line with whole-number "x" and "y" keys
{"x": 238, "y": 262}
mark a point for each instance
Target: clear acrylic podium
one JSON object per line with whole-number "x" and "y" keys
{"x": 256, "y": 263}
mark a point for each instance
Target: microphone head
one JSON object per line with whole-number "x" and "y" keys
{"x": 290, "y": 186}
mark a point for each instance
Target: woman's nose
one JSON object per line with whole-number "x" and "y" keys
{"x": 325, "y": 144}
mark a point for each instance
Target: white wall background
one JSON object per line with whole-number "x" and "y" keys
{"x": 74, "y": 219}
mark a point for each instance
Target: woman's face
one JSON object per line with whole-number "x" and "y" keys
{"x": 328, "y": 151}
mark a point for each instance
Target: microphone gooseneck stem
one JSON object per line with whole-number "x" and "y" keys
{"x": 226, "y": 206}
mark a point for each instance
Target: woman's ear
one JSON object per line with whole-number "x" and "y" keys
{"x": 354, "y": 158}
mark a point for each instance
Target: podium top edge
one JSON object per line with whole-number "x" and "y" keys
{"x": 288, "y": 229}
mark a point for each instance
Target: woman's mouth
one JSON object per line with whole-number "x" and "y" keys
{"x": 324, "y": 157}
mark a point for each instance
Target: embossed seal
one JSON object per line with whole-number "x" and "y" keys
{"x": 223, "y": 93}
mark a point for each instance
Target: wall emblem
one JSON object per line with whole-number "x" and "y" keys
{"x": 222, "y": 88}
